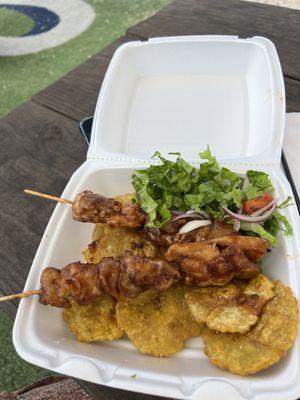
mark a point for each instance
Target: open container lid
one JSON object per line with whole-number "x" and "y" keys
{"x": 182, "y": 93}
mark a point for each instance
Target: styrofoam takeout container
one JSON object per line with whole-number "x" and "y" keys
{"x": 170, "y": 94}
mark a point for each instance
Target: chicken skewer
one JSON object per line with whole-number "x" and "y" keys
{"x": 196, "y": 263}
{"x": 95, "y": 208}
{"x": 83, "y": 282}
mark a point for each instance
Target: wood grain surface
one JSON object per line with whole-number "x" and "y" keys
{"x": 40, "y": 142}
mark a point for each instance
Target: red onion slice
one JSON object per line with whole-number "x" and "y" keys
{"x": 176, "y": 212}
{"x": 193, "y": 214}
{"x": 262, "y": 210}
{"x": 249, "y": 218}
{"x": 191, "y": 225}
{"x": 236, "y": 222}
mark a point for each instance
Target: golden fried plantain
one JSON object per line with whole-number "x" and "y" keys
{"x": 94, "y": 322}
{"x": 232, "y": 308}
{"x": 232, "y": 318}
{"x": 157, "y": 323}
{"x": 264, "y": 344}
{"x": 202, "y": 300}
{"x": 112, "y": 242}
{"x": 124, "y": 198}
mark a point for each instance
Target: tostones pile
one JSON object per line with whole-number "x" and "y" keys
{"x": 246, "y": 326}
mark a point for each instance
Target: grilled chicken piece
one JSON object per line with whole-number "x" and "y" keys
{"x": 201, "y": 263}
{"x": 83, "y": 281}
{"x": 168, "y": 234}
{"x": 243, "y": 267}
{"x": 165, "y": 235}
{"x": 129, "y": 275}
{"x": 204, "y": 264}
{"x": 139, "y": 274}
{"x": 52, "y": 292}
{"x": 131, "y": 216}
{"x": 109, "y": 273}
{"x": 254, "y": 248}
{"x": 92, "y": 207}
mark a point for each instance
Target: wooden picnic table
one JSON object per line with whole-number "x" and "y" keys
{"x": 42, "y": 146}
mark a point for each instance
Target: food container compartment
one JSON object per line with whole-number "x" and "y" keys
{"x": 182, "y": 93}
{"x": 134, "y": 117}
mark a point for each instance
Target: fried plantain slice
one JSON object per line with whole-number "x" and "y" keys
{"x": 232, "y": 308}
{"x": 264, "y": 344}
{"x": 231, "y": 319}
{"x": 261, "y": 286}
{"x": 94, "y": 322}
{"x": 157, "y": 323}
{"x": 112, "y": 242}
{"x": 203, "y": 300}
{"x": 236, "y": 353}
{"x": 278, "y": 322}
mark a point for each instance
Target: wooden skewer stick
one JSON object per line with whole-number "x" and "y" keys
{"x": 20, "y": 295}
{"x": 48, "y": 196}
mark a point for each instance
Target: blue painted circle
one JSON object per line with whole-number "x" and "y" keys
{"x": 44, "y": 19}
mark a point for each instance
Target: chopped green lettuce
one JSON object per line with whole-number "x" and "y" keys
{"x": 260, "y": 180}
{"x": 287, "y": 202}
{"x": 260, "y": 231}
{"x": 177, "y": 185}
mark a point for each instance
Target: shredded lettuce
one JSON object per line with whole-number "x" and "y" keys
{"x": 260, "y": 180}
{"x": 260, "y": 231}
{"x": 177, "y": 185}
{"x": 287, "y": 202}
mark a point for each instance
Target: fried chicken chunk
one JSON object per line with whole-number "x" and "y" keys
{"x": 52, "y": 292}
{"x": 244, "y": 268}
{"x": 168, "y": 234}
{"x": 132, "y": 274}
{"x": 131, "y": 216}
{"x": 253, "y": 247}
{"x": 92, "y": 207}
{"x": 83, "y": 281}
{"x": 201, "y": 263}
{"x": 205, "y": 264}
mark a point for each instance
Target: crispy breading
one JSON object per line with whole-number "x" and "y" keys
{"x": 157, "y": 323}
{"x": 232, "y": 308}
{"x": 264, "y": 344}
{"x": 94, "y": 322}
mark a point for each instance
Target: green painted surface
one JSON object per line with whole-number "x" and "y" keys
{"x": 14, "y": 372}
{"x": 20, "y": 78}
{"x": 14, "y": 23}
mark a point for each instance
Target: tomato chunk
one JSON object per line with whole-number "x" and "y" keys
{"x": 256, "y": 204}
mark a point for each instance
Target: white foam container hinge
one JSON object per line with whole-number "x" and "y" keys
{"x": 170, "y": 94}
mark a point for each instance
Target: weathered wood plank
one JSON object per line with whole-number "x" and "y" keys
{"x": 42, "y": 150}
{"x": 292, "y": 93}
{"x": 231, "y": 17}
{"x": 75, "y": 94}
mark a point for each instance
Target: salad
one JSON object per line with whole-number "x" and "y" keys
{"x": 210, "y": 192}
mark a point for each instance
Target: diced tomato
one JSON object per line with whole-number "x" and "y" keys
{"x": 256, "y": 204}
